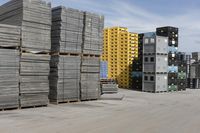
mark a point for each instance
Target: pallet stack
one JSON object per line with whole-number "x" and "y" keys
{"x": 93, "y": 34}
{"x": 76, "y": 47}
{"x": 182, "y": 71}
{"x": 90, "y": 77}
{"x": 9, "y": 66}
{"x": 67, "y": 30}
{"x": 64, "y": 78}
{"x": 120, "y": 49}
{"x": 194, "y": 75}
{"x": 90, "y": 59}
{"x": 137, "y": 74}
{"x": 155, "y": 63}
{"x": 172, "y": 34}
{"x": 34, "y": 17}
{"x": 67, "y": 41}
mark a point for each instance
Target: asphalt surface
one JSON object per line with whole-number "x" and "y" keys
{"x": 138, "y": 112}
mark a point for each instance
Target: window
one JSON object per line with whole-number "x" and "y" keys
{"x": 152, "y": 59}
{"x": 145, "y": 78}
{"x": 152, "y": 78}
{"x": 146, "y": 59}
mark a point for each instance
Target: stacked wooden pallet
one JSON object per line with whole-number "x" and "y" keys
{"x": 9, "y": 66}
{"x": 34, "y": 17}
{"x": 64, "y": 78}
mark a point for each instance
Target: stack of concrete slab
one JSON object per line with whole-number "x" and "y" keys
{"x": 34, "y": 83}
{"x": 9, "y": 66}
{"x": 9, "y": 78}
{"x": 77, "y": 39}
{"x": 64, "y": 78}
{"x": 9, "y": 36}
{"x": 34, "y": 17}
{"x": 67, "y": 30}
{"x": 93, "y": 33}
{"x": 90, "y": 78}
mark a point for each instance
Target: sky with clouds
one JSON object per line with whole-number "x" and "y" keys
{"x": 145, "y": 15}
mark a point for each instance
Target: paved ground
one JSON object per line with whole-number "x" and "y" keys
{"x": 138, "y": 112}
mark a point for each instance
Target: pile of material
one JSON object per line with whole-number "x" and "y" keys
{"x": 108, "y": 86}
{"x": 34, "y": 17}
{"x": 34, "y": 84}
{"x": 67, "y": 30}
{"x": 64, "y": 78}
{"x": 77, "y": 38}
{"x": 93, "y": 33}
{"x": 9, "y": 66}
{"x": 90, "y": 78}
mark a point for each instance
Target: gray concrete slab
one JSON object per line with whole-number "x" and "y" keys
{"x": 138, "y": 112}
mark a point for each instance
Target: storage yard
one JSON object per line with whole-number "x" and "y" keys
{"x": 61, "y": 70}
{"x": 138, "y": 112}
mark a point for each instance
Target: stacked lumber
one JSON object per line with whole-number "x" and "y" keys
{"x": 64, "y": 78}
{"x": 9, "y": 66}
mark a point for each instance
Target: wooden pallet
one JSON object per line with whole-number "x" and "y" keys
{"x": 90, "y": 55}
{"x": 36, "y": 106}
{"x": 56, "y": 102}
{"x": 9, "y": 109}
{"x": 69, "y": 54}
{"x": 85, "y": 100}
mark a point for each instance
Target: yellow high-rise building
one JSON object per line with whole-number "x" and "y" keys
{"x": 119, "y": 50}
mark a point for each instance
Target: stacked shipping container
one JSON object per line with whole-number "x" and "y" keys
{"x": 137, "y": 74}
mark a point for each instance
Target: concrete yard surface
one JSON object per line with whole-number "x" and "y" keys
{"x": 138, "y": 112}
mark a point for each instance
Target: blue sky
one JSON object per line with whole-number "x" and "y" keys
{"x": 145, "y": 15}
